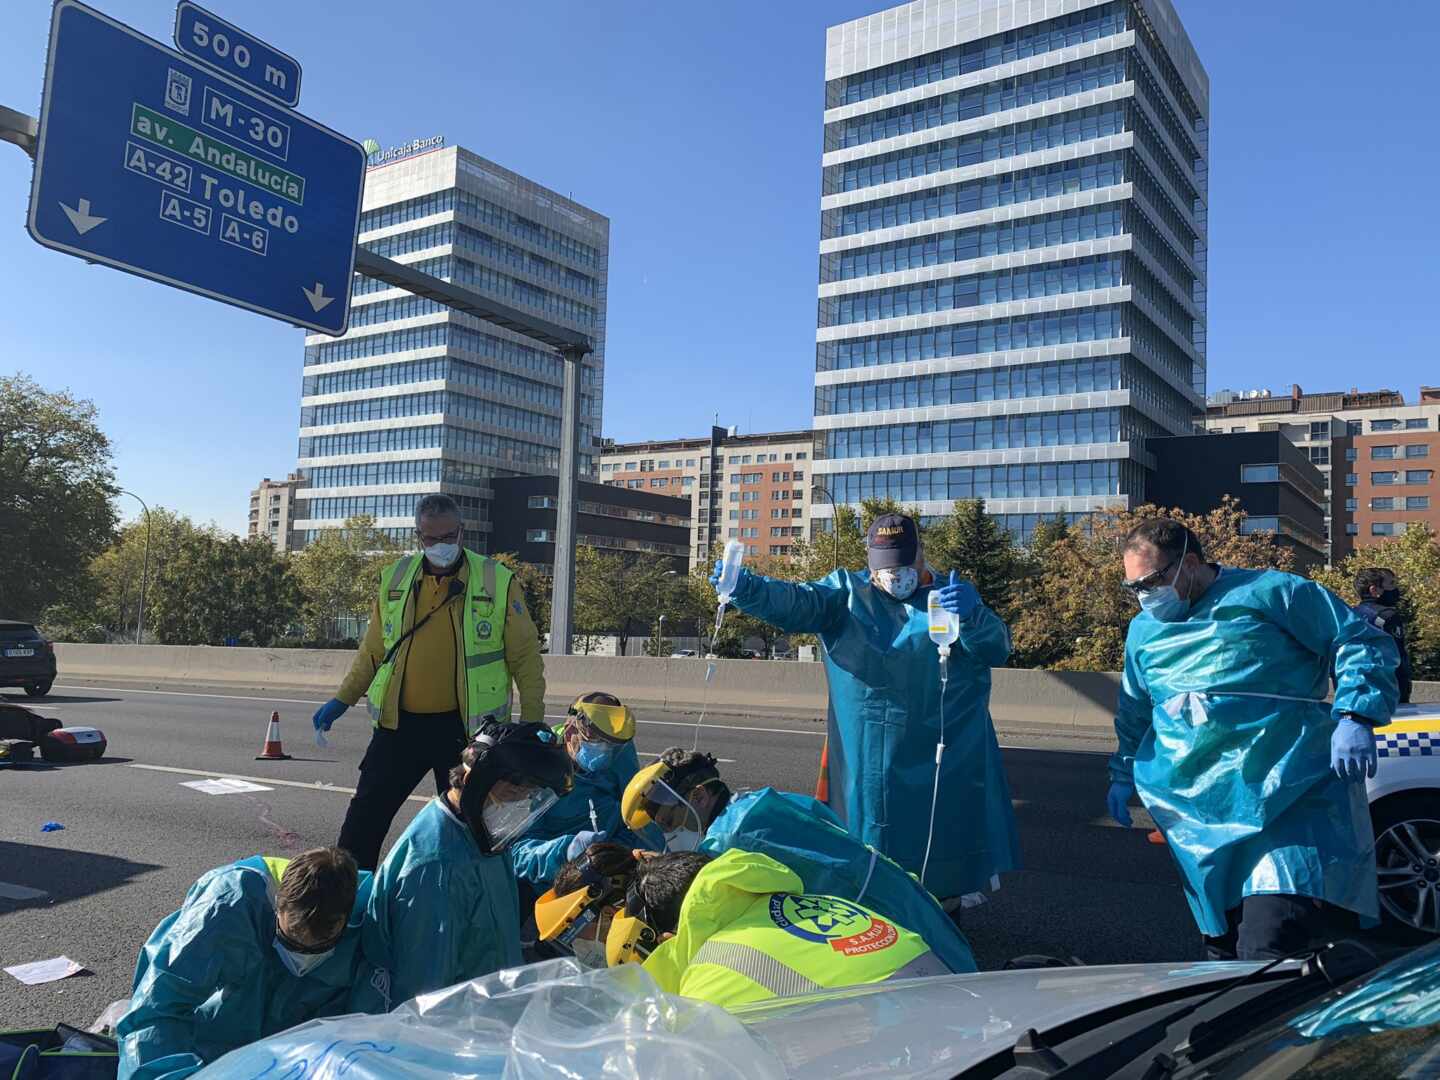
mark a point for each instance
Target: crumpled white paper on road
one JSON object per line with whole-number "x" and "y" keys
{"x": 45, "y": 971}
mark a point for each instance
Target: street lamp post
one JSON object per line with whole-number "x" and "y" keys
{"x": 660, "y": 598}
{"x": 834, "y": 524}
{"x": 144, "y": 569}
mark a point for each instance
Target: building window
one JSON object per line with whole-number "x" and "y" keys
{"x": 540, "y": 502}
{"x": 800, "y": 455}
{"x": 798, "y": 475}
{"x": 734, "y": 496}
{"x": 1417, "y": 423}
{"x": 796, "y": 512}
{"x": 734, "y": 515}
{"x": 635, "y": 484}
{"x": 1414, "y": 450}
{"x": 664, "y": 464}
{"x": 1418, "y": 476}
{"x": 1385, "y": 503}
{"x": 539, "y": 536}
{"x": 789, "y": 457}
{"x": 1351, "y": 528}
{"x": 1354, "y": 427}
{"x": 1259, "y": 474}
{"x": 1259, "y": 524}
{"x": 1319, "y": 455}
{"x": 687, "y": 481}
{"x": 1319, "y": 429}
{"x": 1417, "y": 502}
{"x": 1237, "y": 430}
{"x": 1352, "y": 504}
{"x": 1351, "y": 453}
{"x": 631, "y": 466}
{"x": 1384, "y": 478}
{"x": 750, "y": 515}
{"x": 1386, "y": 528}
{"x": 1383, "y": 453}
{"x": 1351, "y": 479}
{"x": 1384, "y": 425}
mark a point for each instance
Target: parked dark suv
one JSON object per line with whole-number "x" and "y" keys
{"x": 26, "y": 658}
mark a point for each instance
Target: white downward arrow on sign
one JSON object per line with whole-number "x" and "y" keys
{"x": 316, "y": 296}
{"x": 82, "y": 219}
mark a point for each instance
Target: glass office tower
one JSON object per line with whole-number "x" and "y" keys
{"x": 1012, "y": 253}
{"x": 418, "y": 398}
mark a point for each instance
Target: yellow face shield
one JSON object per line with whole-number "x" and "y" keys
{"x": 614, "y": 722}
{"x": 555, "y": 915}
{"x": 630, "y": 940}
{"x": 635, "y": 804}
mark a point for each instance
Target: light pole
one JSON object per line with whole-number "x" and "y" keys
{"x": 144, "y": 569}
{"x": 834, "y": 524}
{"x": 660, "y": 600}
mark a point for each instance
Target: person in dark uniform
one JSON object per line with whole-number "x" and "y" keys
{"x": 1380, "y": 607}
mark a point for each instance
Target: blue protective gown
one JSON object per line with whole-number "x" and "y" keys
{"x": 1222, "y": 722}
{"x": 441, "y": 912}
{"x": 805, "y": 836}
{"x": 539, "y": 854}
{"x": 209, "y": 980}
{"x": 884, "y": 722}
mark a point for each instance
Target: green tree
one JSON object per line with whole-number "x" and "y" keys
{"x": 537, "y": 586}
{"x": 1072, "y": 614}
{"x": 214, "y": 589}
{"x": 1414, "y": 557}
{"x": 619, "y": 593}
{"x": 338, "y": 574}
{"x": 115, "y": 574}
{"x": 971, "y": 542}
{"x": 56, "y": 483}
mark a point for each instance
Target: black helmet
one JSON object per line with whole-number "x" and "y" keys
{"x": 526, "y": 754}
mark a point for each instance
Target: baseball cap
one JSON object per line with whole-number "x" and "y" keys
{"x": 891, "y": 542}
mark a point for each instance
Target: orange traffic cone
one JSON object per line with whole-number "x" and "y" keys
{"x": 272, "y": 750}
{"x": 822, "y": 783}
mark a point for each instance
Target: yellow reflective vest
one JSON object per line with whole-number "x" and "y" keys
{"x": 484, "y": 687}
{"x": 748, "y": 933}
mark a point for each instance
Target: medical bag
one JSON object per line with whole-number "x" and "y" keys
{"x": 73, "y": 744}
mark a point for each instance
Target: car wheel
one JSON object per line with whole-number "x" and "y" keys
{"x": 37, "y": 689}
{"x": 1407, "y": 857}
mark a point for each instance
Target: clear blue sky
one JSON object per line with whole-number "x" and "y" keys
{"x": 697, "y": 129}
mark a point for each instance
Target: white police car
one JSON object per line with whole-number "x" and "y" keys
{"x": 1405, "y": 810}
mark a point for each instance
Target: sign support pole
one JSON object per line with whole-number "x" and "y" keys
{"x": 562, "y": 596}
{"x": 18, "y": 128}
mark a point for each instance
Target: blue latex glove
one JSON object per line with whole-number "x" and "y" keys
{"x": 715, "y": 574}
{"x": 328, "y": 713}
{"x": 1116, "y": 799}
{"x": 959, "y": 597}
{"x": 581, "y": 841}
{"x": 1352, "y": 750}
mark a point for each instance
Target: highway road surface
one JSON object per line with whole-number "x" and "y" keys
{"x": 135, "y": 838}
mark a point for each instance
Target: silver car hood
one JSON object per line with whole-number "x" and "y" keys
{"x": 937, "y": 1027}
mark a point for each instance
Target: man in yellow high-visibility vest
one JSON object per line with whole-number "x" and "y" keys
{"x": 737, "y": 928}
{"x": 448, "y": 634}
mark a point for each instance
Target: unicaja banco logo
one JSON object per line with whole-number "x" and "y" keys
{"x": 376, "y": 155}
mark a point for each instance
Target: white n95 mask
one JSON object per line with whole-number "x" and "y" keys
{"x": 900, "y": 582}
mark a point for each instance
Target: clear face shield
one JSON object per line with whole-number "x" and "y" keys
{"x": 676, "y": 817}
{"x": 510, "y": 809}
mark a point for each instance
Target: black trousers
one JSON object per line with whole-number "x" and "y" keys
{"x": 1272, "y": 926}
{"x": 393, "y": 764}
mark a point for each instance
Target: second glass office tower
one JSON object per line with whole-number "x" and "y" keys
{"x": 1012, "y": 253}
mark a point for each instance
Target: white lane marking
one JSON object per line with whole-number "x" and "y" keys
{"x": 730, "y": 727}
{"x": 19, "y": 892}
{"x": 722, "y": 760}
{"x": 312, "y": 786}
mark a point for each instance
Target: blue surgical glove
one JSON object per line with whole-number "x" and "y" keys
{"x": 1115, "y": 801}
{"x": 1352, "y": 750}
{"x": 959, "y": 597}
{"x": 328, "y": 713}
{"x": 715, "y": 575}
{"x": 581, "y": 841}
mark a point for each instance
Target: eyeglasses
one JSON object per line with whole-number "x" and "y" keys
{"x": 1150, "y": 581}
{"x": 446, "y": 538}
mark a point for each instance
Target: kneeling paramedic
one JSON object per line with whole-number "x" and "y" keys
{"x": 684, "y": 793}
{"x": 598, "y": 733}
{"x": 258, "y": 946}
{"x": 576, "y": 912}
{"x": 738, "y": 928}
{"x": 889, "y": 710}
{"x": 1255, "y": 780}
{"x": 444, "y": 906}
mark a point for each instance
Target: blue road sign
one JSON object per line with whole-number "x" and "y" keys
{"x": 158, "y": 166}
{"x": 231, "y": 51}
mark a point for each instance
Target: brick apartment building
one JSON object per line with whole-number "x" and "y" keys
{"x": 1377, "y": 454}
{"x": 755, "y": 488}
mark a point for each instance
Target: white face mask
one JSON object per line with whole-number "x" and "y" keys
{"x": 504, "y": 821}
{"x": 1165, "y": 602}
{"x": 301, "y": 964}
{"x": 590, "y": 953}
{"x": 441, "y": 556}
{"x": 900, "y": 582}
